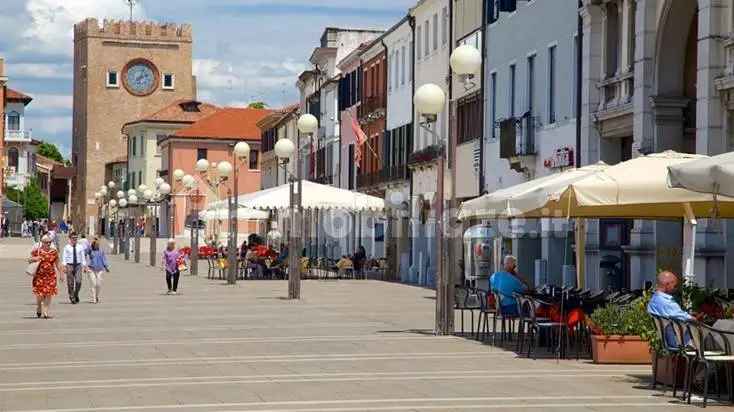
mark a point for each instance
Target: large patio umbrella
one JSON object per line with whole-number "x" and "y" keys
{"x": 633, "y": 189}
{"x": 526, "y": 199}
{"x": 314, "y": 196}
{"x": 714, "y": 175}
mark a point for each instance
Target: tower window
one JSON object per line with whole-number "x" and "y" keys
{"x": 112, "y": 79}
{"x": 168, "y": 81}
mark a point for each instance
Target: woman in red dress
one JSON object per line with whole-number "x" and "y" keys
{"x": 44, "y": 282}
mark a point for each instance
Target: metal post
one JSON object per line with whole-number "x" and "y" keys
{"x": 126, "y": 239}
{"x": 232, "y": 244}
{"x": 153, "y": 234}
{"x": 115, "y": 233}
{"x": 195, "y": 237}
{"x": 294, "y": 252}
{"x": 136, "y": 234}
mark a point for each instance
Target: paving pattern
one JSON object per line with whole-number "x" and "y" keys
{"x": 347, "y": 346}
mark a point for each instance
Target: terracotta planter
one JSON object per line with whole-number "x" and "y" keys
{"x": 617, "y": 349}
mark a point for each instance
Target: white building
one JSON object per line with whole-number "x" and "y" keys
{"x": 431, "y": 56}
{"x": 399, "y": 139}
{"x": 20, "y": 148}
{"x": 531, "y": 127}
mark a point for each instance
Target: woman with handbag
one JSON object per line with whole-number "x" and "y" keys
{"x": 171, "y": 260}
{"x": 97, "y": 265}
{"x": 48, "y": 266}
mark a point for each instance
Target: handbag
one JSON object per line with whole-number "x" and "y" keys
{"x": 32, "y": 268}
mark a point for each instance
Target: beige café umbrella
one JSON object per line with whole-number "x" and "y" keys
{"x": 636, "y": 188}
{"x": 714, "y": 175}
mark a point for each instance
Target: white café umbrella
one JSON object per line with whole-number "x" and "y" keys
{"x": 243, "y": 213}
{"x": 314, "y": 196}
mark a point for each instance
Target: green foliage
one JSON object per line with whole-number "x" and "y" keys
{"x": 35, "y": 204}
{"x": 628, "y": 320}
{"x": 257, "y": 105}
{"x": 50, "y": 150}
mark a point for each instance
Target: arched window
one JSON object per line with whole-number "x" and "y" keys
{"x": 13, "y": 158}
{"x": 13, "y": 121}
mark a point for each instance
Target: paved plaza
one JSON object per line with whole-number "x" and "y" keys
{"x": 347, "y": 346}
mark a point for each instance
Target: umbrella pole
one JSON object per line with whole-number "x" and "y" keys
{"x": 689, "y": 244}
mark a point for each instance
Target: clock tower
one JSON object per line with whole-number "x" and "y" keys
{"x": 123, "y": 70}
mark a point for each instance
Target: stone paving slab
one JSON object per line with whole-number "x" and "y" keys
{"x": 347, "y": 346}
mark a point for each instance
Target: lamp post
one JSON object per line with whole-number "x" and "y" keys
{"x": 284, "y": 149}
{"x": 189, "y": 183}
{"x": 216, "y": 174}
{"x": 154, "y": 198}
{"x": 429, "y": 102}
{"x": 125, "y": 235}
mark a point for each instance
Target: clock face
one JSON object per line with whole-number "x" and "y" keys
{"x": 141, "y": 78}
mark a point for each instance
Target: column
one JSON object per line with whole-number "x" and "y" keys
{"x": 592, "y": 71}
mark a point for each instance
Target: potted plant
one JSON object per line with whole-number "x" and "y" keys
{"x": 623, "y": 334}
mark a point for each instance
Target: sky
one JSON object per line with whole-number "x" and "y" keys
{"x": 244, "y": 50}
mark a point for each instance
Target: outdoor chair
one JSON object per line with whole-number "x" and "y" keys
{"x": 466, "y": 299}
{"x": 702, "y": 336}
{"x": 676, "y": 350}
{"x": 537, "y": 326}
{"x": 507, "y": 321}
{"x": 485, "y": 310}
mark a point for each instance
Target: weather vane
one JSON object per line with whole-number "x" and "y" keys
{"x": 131, "y": 4}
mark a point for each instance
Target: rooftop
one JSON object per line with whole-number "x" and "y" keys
{"x": 16, "y": 96}
{"x": 227, "y": 123}
{"x": 180, "y": 111}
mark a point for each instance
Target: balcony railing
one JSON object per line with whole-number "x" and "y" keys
{"x": 386, "y": 175}
{"x": 616, "y": 91}
{"x": 17, "y": 135}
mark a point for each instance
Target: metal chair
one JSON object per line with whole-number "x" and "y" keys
{"x": 701, "y": 335}
{"x": 537, "y": 326}
{"x": 466, "y": 299}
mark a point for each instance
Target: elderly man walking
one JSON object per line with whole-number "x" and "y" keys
{"x": 75, "y": 261}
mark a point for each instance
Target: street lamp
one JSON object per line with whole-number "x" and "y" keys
{"x": 284, "y": 149}
{"x": 466, "y": 62}
{"x": 215, "y": 174}
{"x": 429, "y": 101}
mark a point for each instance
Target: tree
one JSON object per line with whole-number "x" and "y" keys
{"x": 35, "y": 204}
{"x": 257, "y": 105}
{"x": 50, "y": 150}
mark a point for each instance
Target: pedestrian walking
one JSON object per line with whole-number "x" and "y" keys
{"x": 44, "y": 280}
{"x": 84, "y": 242}
{"x": 171, "y": 258}
{"x": 76, "y": 262}
{"x": 97, "y": 266}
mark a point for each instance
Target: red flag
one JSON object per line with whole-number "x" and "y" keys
{"x": 359, "y": 138}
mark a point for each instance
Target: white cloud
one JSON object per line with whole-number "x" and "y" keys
{"x": 52, "y": 22}
{"x": 51, "y": 102}
{"x": 40, "y": 70}
{"x": 50, "y": 125}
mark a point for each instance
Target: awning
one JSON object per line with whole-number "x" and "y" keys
{"x": 314, "y": 196}
{"x": 243, "y": 213}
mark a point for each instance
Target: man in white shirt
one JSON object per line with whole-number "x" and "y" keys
{"x": 75, "y": 261}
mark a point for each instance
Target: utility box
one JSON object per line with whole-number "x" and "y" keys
{"x": 478, "y": 253}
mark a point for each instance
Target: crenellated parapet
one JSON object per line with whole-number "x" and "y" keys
{"x": 133, "y": 30}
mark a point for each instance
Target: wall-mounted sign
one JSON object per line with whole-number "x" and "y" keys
{"x": 563, "y": 157}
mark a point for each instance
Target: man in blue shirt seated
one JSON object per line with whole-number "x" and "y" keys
{"x": 662, "y": 304}
{"x": 507, "y": 282}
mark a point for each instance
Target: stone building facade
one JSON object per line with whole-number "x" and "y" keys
{"x": 122, "y": 71}
{"x": 658, "y": 75}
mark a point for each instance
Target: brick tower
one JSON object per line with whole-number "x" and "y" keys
{"x": 122, "y": 71}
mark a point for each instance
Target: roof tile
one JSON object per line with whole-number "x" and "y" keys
{"x": 227, "y": 123}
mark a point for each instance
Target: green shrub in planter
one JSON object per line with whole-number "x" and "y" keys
{"x": 629, "y": 320}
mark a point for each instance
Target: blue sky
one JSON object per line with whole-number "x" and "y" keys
{"x": 244, "y": 50}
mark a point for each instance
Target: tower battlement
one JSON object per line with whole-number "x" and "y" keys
{"x": 132, "y": 30}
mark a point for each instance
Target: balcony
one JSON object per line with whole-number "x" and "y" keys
{"x": 517, "y": 136}
{"x": 23, "y": 136}
{"x": 372, "y": 108}
{"x": 384, "y": 176}
{"x": 616, "y": 93}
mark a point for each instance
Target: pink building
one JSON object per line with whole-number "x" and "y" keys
{"x": 212, "y": 138}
